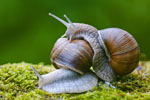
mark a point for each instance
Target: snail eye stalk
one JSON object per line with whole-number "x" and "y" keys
{"x": 60, "y": 20}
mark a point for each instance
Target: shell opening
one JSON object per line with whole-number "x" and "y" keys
{"x": 66, "y": 67}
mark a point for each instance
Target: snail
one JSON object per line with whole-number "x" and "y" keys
{"x": 69, "y": 78}
{"x": 116, "y": 52}
{"x": 110, "y": 52}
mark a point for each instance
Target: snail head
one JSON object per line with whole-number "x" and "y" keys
{"x": 72, "y": 28}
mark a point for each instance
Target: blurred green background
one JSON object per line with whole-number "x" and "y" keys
{"x": 28, "y": 34}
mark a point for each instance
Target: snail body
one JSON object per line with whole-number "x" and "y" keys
{"x": 66, "y": 81}
{"x": 110, "y": 52}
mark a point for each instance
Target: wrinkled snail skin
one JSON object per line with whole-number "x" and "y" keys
{"x": 67, "y": 81}
{"x": 100, "y": 61}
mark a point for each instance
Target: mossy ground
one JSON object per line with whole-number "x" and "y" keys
{"x": 18, "y": 81}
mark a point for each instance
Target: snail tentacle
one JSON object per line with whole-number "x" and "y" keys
{"x": 109, "y": 84}
{"x": 68, "y": 20}
{"x": 36, "y": 72}
{"x": 60, "y": 20}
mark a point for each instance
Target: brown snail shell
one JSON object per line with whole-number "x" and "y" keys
{"x": 75, "y": 55}
{"x": 123, "y": 49}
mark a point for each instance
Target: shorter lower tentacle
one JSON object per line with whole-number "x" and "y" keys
{"x": 109, "y": 84}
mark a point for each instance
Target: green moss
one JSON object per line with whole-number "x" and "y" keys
{"x": 18, "y": 81}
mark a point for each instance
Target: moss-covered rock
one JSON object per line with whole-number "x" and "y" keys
{"x": 18, "y": 81}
